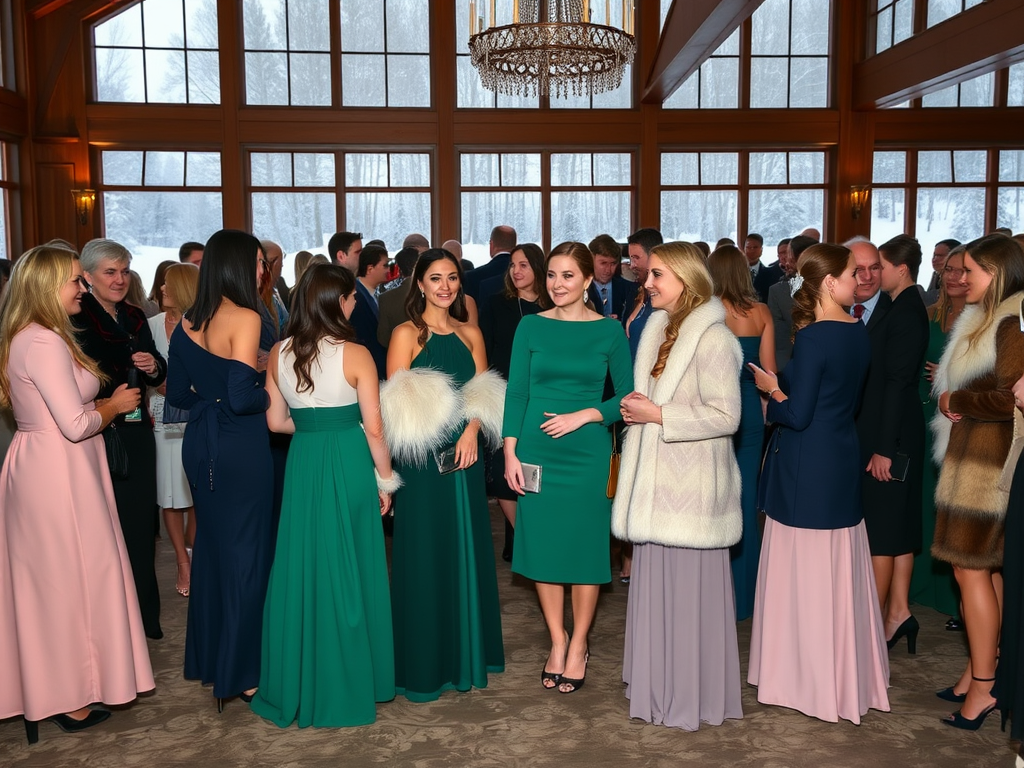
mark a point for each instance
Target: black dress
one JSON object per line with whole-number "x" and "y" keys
{"x": 891, "y": 421}
{"x": 111, "y": 343}
{"x": 1009, "y": 688}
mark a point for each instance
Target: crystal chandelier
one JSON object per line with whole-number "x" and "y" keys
{"x": 551, "y": 48}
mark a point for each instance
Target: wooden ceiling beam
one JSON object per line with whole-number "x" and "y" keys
{"x": 693, "y": 31}
{"x": 982, "y": 39}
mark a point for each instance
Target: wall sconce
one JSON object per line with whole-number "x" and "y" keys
{"x": 84, "y": 199}
{"x": 859, "y": 195}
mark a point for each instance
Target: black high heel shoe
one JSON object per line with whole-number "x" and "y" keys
{"x": 957, "y": 720}
{"x": 910, "y": 628}
{"x": 576, "y": 683}
{"x": 66, "y": 723}
{"x": 948, "y": 694}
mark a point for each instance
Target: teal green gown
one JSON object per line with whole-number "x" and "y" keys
{"x": 747, "y": 441}
{"x": 444, "y": 586}
{"x": 932, "y": 582}
{"x": 560, "y": 367}
{"x": 327, "y": 642}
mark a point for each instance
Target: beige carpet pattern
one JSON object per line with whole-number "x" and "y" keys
{"x": 514, "y": 723}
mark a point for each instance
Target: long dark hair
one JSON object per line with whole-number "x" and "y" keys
{"x": 535, "y": 256}
{"x": 731, "y": 273}
{"x": 228, "y": 272}
{"x": 417, "y": 302}
{"x": 316, "y": 314}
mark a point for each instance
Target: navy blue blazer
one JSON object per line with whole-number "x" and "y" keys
{"x": 812, "y": 471}
{"x": 475, "y": 277}
{"x": 767, "y": 276}
{"x": 364, "y": 321}
{"x": 623, "y": 296}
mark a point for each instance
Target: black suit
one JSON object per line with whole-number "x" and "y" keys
{"x": 364, "y": 321}
{"x": 622, "y": 298}
{"x": 891, "y": 421}
{"x": 780, "y": 305}
{"x": 474, "y": 278}
{"x": 765, "y": 279}
{"x": 391, "y": 311}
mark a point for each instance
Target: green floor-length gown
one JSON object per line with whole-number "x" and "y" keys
{"x": 932, "y": 583}
{"x": 327, "y": 642}
{"x": 444, "y": 586}
{"x": 560, "y": 367}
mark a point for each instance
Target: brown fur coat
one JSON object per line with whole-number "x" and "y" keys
{"x": 970, "y": 504}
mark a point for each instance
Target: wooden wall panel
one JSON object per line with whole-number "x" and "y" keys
{"x": 55, "y": 211}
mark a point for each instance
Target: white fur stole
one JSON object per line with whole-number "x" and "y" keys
{"x": 419, "y": 407}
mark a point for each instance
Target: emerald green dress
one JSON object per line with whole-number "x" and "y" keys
{"x": 444, "y": 585}
{"x": 559, "y": 367}
{"x": 932, "y": 582}
{"x": 327, "y": 654}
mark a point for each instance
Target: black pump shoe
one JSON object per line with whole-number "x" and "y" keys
{"x": 910, "y": 628}
{"x": 948, "y": 694}
{"x": 66, "y": 723}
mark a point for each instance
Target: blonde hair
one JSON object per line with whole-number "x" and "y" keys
{"x": 1003, "y": 258}
{"x": 686, "y": 262}
{"x": 182, "y": 282}
{"x": 943, "y": 305}
{"x": 33, "y": 296}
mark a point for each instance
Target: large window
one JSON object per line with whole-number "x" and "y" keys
{"x": 548, "y": 197}
{"x": 976, "y": 92}
{"x": 287, "y": 52}
{"x": 716, "y": 85}
{"x": 300, "y": 199}
{"x": 710, "y": 195}
{"x": 6, "y": 190}
{"x": 894, "y": 23}
{"x": 938, "y": 194}
{"x": 153, "y": 201}
{"x": 940, "y": 10}
{"x": 159, "y": 51}
{"x": 1015, "y": 95}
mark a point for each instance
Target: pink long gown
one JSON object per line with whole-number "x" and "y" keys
{"x": 70, "y": 628}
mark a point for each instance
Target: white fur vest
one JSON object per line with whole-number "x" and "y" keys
{"x": 679, "y": 484}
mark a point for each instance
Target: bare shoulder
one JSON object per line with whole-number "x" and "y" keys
{"x": 470, "y": 334}
{"x": 405, "y": 333}
{"x": 357, "y": 354}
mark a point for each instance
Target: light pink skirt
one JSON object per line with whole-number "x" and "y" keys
{"x": 818, "y": 643}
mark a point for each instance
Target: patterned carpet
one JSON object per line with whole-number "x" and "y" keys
{"x": 514, "y": 723}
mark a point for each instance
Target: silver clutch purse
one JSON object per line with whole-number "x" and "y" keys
{"x": 532, "y": 474}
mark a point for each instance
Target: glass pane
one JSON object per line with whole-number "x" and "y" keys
{"x": 1011, "y": 165}
{"x": 889, "y": 168}
{"x": 263, "y": 25}
{"x": 934, "y": 167}
{"x": 978, "y": 91}
{"x": 679, "y": 168}
{"x": 482, "y": 210}
{"x": 472, "y": 94}
{"x": 309, "y": 26}
{"x": 121, "y": 168}
{"x": 266, "y": 78}
{"x": 809, "y": 85}
{"x": 165, "y": 76}
{"x": 945, "y": 97}
{"x": 119, "y": 75}
{"x": 571, "y": 170}
{"x": 516, "y": 102}
{"x": 810, "y": 35}
{"x": 520, "y": 170}
{"x": 295, "y": 220}
{"x": 163, "y": 23}
{"x": 720, "y": 84}
{"x": 149, "y": 224}
{"x": 311, "y": 79}
{"x": 314, "y": 169}
{"x": 202, "y": 169}
{"x": 769, "y": 82}
{"x": 806, "y": 167}
{"x": 685, "y": 96}
{"x": 123, "y": 29}
{"x": 479, "y": 170}
{"x": 364, "y": 169}
{"x": 408, "y": 81}
{"x": 408, "y": 26}
{"x": 731, "y": 46}
{"x": 952, "y": 212}
{"x": 271, "y": 169}
{"x": 1010, "y": 211}
{"x": 612, "y": 170}
{"x": 887, "y": 208}
{"x": 621, "y": 97}
{"x": 778, "y": 213}
{"x": 408, "y": 170}
{"x": 203, "y": 77}
{"x": 692, "y": 216}
{"x": 903, "y": 25}
{"x": 461, "y": 27}
{"x": 719, "y": 168}
{"x": 578, "y": 215}
{"x": 883, "y": 30}
{"x": 165, "y": 169}
{"x": 940, "y": 10}
{"x": 362, "y": 26}
{"x": 201, "y": 24}
{"x": 362, "y": 80}
{"x": 770, "y": 29}
{"x": 969, "y": 165}
{"x": 769, "y": 168}
{"x": 569, "y": 101}
{"x": 1015, "y": 97}
{"x": 389, "y": 216}
{"x": 4, "y": 208}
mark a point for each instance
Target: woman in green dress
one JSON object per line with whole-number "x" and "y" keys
{"x": 555, "y": 417}
{"x": 932, "y": 582}
{"x": 327, "y": 642}
{"x": 437, "y": 401}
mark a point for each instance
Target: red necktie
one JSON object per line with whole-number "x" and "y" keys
{"x": 858, "y": 311}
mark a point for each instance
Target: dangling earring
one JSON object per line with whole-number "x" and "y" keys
{"x": 423, "y": 294}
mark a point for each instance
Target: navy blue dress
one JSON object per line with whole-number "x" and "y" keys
{"x": 226, "y": 458}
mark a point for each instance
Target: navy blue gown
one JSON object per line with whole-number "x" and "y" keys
{"x": 226, "y": 458}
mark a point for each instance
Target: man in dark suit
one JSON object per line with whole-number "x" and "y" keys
{"x": 274, "y": 255}
{"x": 391, "y": 306}
{"x": 615, "y": 294}
{"x": 939, "y": 256}
{"x": 780, "y": 299}
{"x": 503, "y": 240}
{"x": 373, "y": 270}
{"x": 764, "y": 277}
